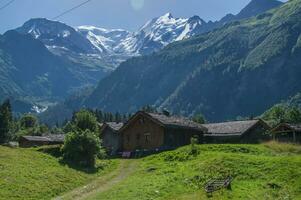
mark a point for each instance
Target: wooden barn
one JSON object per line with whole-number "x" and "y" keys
{"x": 152, "y": 131}
{"x": 249, "y": 131}
{"x": 111, "y": 139}
{"x": 33, "y": 141}
{"x": 287, "y": 133}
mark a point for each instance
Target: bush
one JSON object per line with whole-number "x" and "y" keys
{"x": 283, "y": 113}
{"x": 85, "y": 120}
{"x": 28, "y": 121}
{"x": 68, "y": 128}
{"x": 81, "y": 148}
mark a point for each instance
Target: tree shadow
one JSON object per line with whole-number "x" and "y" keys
{"x": 85, "y": 169}
{"x": 55, "y": 151}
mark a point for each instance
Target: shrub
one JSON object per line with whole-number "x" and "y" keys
{"x": 81, "y": 148}
{"x": 68, "y": 128}
{"x": 85, "y": 120}
{"x": 283, "y": 113}
{"x": 28, "y": 121}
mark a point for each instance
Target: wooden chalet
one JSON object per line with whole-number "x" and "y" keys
{"x": 33, "y": 141}
{"x": 285, "y": 132}
{"x": 111, "y": 139}
{"x": 153, "y": 131}
{"x": 249, "y": 131}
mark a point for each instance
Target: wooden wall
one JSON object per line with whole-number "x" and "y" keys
{"x": 111, "y": 140}
{"x": 285, "y": 134}
{"x": 256, "y": 134}
{"x": 143, "y": 133}
{"x": 176, "y": 137}
{"x": 27, "y": 144}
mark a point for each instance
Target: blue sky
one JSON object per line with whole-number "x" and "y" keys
{"x": 126, "y": 14}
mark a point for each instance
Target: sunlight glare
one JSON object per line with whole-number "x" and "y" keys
{"x": 137, "y": 4}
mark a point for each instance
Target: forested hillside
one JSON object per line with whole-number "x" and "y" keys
{"x": 241, "y": 69}
{"x": 31, "y": 74}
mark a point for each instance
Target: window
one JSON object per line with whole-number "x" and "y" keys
{"x": 128, "y": 139}
{"x": 147, "y": 138}
{"x": 138, "y": 137}
{"x": 142, "y": 120}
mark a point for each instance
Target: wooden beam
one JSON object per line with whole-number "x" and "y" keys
{"x": 294, "y": 137}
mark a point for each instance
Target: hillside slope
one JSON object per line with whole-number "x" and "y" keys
{"x": 31, "y": 174}
{"x": 31, "y": 73}
{"x": 238, "y": 70}
{"x": 270, "y": 171}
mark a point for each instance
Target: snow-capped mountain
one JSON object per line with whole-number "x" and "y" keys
{"x": 70, "y": 44}
{"x": 107, "y": 48}
{"x": 153, "y": 36}
{"x": 160, "y": 32}
{"x": 105, "y": 40}
{"x": 57, "y": 35}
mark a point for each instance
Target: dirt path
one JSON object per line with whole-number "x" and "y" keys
{"x": 102, "y": 184}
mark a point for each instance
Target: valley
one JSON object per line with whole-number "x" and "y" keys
{"x": 84, "y": 55}
{"x": 235, "y": 71}
{"x": 150, "y": 100}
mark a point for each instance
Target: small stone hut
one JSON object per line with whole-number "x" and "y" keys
{"x": 285, "y": 132}
{"x": 33, "y": 141}
{"x": 248, "y": 131}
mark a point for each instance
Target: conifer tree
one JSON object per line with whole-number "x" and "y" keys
{"x": 5, "y": 121}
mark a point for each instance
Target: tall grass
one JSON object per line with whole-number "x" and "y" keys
{"x": 281, "y": 147}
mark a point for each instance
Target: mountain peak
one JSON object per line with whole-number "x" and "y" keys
{"x": 264, "y": 3}
{"x": 55, "y": 34}
{"x": 41, "y": 22}
{"x": 256, "y": 7}
{"x": 196, "y": 19}
{"x": 40, "y": 26}
{"x": 167, "y": 15}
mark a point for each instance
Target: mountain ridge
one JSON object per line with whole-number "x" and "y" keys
{"x": 85, "y": 60}
{"x": 107, "y": 48}
{"x": 193, "y": 75}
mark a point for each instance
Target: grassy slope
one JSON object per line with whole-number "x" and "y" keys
{"x": 261, "y": 172}
{"x": 29, "y": 174}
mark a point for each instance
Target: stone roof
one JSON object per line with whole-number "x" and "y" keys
{"x": 234, "y": 128}
{"x": 295, "y": 127}
{"x": 114, "y": 125}
{"x": 37, "y": 138}
{"x": 56, "y": 138}
{"x": 176, "y": 122}
{"x": 290, "y": 127}
{"x": 46, "y": 138}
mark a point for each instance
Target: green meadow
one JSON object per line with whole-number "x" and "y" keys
{"x": 265, "y": 171}
{"x": 35, "y": 174}
{"x": 268, "y": 171}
